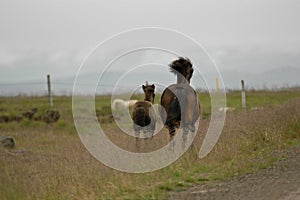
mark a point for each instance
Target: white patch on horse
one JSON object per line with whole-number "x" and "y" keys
{"x": 121, "y": 105}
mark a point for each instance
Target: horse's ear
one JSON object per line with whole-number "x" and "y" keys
{"x": 153, "y": 86}
{"x": 143, "y": 87}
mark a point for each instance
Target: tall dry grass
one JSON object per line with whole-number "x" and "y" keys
{"x": 250, "y": 137}
{"x": 47, "y": 163}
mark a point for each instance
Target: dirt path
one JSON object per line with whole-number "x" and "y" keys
{"x": 282, "y": 181}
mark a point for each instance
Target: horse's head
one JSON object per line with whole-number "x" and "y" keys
{"x": 149, "y": 92}
{"x": 183, "y": 68}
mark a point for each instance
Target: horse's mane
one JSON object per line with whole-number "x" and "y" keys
{"x": 182, "y": 66}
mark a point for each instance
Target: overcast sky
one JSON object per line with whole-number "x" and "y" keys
{"x": 39, "y": 37}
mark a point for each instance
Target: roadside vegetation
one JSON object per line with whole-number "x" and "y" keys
{"x": 50, "y": 162}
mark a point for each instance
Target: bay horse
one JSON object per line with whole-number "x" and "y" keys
{"x": 143, "y": 114}
{"x": 179, "y": 102}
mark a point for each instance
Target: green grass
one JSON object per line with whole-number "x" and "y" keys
{"x": 50, "y": 162}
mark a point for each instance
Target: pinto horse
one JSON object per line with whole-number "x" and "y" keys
{"x": 143, "y": 114}
{"x": 179, "y": 102}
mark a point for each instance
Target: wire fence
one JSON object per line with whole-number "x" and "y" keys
{"x": 39, "y": 88}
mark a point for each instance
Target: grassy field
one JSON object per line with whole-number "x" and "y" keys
{"x": 50, "y": 162}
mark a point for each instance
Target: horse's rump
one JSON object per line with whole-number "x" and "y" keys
{"x": 141, "y": 113}
{"x": 180, "y": 103}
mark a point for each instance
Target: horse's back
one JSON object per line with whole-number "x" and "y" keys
{"x": 132, "y": 102}
{"x": 118, "y": 104}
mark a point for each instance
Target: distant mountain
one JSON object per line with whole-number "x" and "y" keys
{"x": 131, "y": 82}
{"x": 270, "y": 79}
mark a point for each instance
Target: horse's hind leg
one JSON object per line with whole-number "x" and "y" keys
{"x": 148, "y": 137}
{"x": 138, "y": 142}
{"x": 137, "y": 137}
{"x": 171, "y": 129}
{"x": 184, "y": 136}
{"x": 172, "y": 143}
{"x": 193, "y": 132}
{"x": 149, "y": 131}
{"x": 192, "y": 128}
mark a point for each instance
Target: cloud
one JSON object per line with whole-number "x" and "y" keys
{"x": 256, "y": 59}
{"x": 7, "y": 58}
{"x": 247, "y": 37}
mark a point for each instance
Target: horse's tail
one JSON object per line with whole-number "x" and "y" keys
{"x": 174, "y": 112}
{"x": 176, "y": 105}
{"x": 182, "y": 66}
{"x": 181, "y": 99}
{"x": 140, "y": 116}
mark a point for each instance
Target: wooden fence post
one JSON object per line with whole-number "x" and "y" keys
{"x": 49, "y": 90}
{"x": 217, "y": 85}
{"x": 243, "y": 95}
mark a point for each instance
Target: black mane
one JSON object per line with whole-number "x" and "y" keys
{"x": 183, "y": 68}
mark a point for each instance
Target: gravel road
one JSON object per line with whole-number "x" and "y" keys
{"x": 280, "y": 182}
